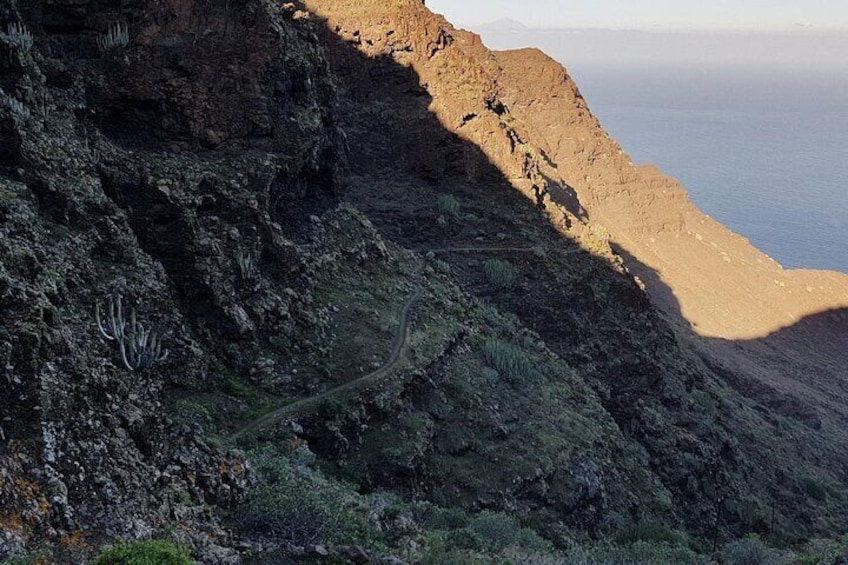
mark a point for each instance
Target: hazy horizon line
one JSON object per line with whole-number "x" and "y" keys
{"x": 787, "y": 28}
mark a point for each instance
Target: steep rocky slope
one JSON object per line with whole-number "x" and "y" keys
{"x": 392, "y": 329}
{"x": 106, "y": 193}
{"x": 722, "y": 285}
{"x": 473, "y": 108}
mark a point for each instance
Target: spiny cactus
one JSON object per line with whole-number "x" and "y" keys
{"x": 140, "y": 346}
{"x": 16, "y": 106}
{"x": 19, "y": 36}
{"x": 113, "y": 329}
{"x": 246, "y": 264}
{"x": 117, "y": 36}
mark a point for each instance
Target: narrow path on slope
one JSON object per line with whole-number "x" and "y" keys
{"x": 526, "y": 249}
{"x": 306, "y": 405}
{"x": 476, "y": 250}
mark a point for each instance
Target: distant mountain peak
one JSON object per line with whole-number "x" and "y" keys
{"x": 505, "y": 24}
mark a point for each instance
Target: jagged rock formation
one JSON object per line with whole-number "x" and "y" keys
{"x": 197, "y": 172}
{"x": 722, "y": 285}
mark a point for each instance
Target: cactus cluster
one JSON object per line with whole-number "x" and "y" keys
{"x": 247, "y": 265}
{"x": 140, "y": 345}
{"x": 117, "y": 36}
{"x": 19, "y": 36}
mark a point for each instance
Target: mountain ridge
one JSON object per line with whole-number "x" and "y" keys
{"x": 505, "y": 24}
{"x": 272, "y": 221}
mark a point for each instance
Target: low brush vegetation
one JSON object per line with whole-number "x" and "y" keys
{"x": 510, "y": 361}
{"x": 501, "y": 274}
{"x": 752, "y": 551}
{"x": 824, "y": 552}
{"x": 295, "y": 505}
{"x": 502, "y": 532}
{"x": 145, "y": 553}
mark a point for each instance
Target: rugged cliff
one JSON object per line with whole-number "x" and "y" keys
{"x": 108, "y": 193}
{"x": 522, "y": 114}
{"x": 332, "y": 281}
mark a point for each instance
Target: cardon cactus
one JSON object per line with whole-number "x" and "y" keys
{"x": 140, "y": 346}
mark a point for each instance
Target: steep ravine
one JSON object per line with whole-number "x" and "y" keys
{"x": 268, "y": 186}
{"x": 450, "y": 81}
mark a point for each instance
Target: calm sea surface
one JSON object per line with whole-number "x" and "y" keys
{"x": 763, "y": 148}
{"x": 769, "y": 160}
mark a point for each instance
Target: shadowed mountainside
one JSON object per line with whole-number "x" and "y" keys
{"x": 472, "y": 95}
{"x": 198, "y": 171}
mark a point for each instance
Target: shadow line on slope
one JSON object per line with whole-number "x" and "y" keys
{"x": 582, "y": 304}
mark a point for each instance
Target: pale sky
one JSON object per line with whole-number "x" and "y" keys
{"x": 640, "y": 14}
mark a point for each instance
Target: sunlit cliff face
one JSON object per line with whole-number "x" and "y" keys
{"x": 721, "y": 285}
{"x": 540, "y": 127}
{"x": 691, "y": 264}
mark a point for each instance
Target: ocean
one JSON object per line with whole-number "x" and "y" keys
{"x": 758, "y": 139}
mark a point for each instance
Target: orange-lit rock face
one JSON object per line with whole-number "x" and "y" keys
{"x": 532, "y": 110}
{"x": 722, "y": 285}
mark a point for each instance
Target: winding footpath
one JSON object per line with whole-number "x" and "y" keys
{"x": 526, "y": 249}
{"x": 308, "y": 405}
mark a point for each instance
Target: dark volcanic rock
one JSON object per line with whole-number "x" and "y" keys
{"x": 193, "y": 170}
{"x": 92, "y": 206}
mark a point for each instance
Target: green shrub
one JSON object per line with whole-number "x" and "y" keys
{"x": 438, "y": 518}
{"x": 500, "y": 531}
{"x": 449, "y": 207}
{"x": 144, "y": 553}
{"x": 639, "y": 553}
{"x": 297, "y": 507}
{"x": 441, "y": 555}
{"x": 747, "y": 511}
{"x": 652, "y": 533}
{"x": 289, "y": 509}
{"x": 752, "y": 551}
{"x": 824, "y": 552}
{"x": 463, "y": 539}
{"x": 509, "y": 360}
{"x": 500, "y": 274}
{"x": 814, "y": 487}
{"x": 331, "y": 408}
